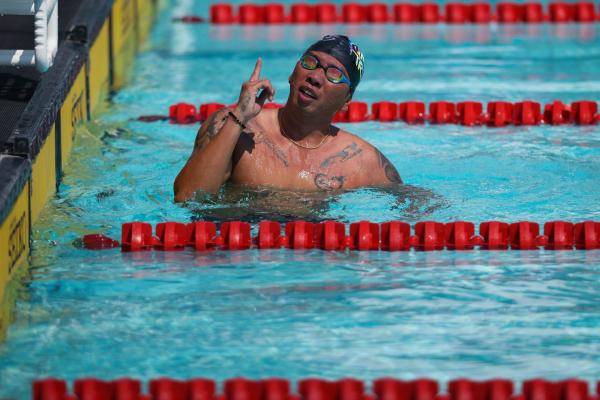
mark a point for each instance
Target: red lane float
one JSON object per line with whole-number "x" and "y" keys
{"x": 357, "y": 111}
{"x": 236, "y": 235}
{"x": 412, "y": 112}
{"x": 470, "y": 113}
{"x": 429, "y": 13}
{"x": 494, "y": 235}
{"x": 527, "y": 113}
{"x": 429, "y": 235}
{"x": 331, "y": 235}
{"x": 302, "y": 14}
{"x": 442, "y": 112}
{"x": 378, "y": 13}
{"x": 385, "y": 111}
{"x": 300, "y": 234}
{"x": 559, "y": 235}
{"x": 362, "y": 236}
{"x": 499, "y": 113}
{"x": 406, "y": 13}
{"x": 136, "y": 236}
{"x": 587, "y": 237}
{"x": 396, "y": 389}
{"x": 269, "y": 235}
{"x": 99, "y": 242}
{"x": 481, "y": 13}
{"x": 457, "y": 13}
{"x": 395, "y": 236}
{"x": 183, "y": 113}
{"x": 326, "y": 13}
{"x": 354, "y": 13}
{"x": 400, "y": 12}
{"x": 251, "y": 14}
{"x": 584, "y": 112}
{"x": 274, "y": 14}
{"x": 313, "y": 389}
{"x": 467, "y": 113}
{"x": 466, "y": 389}
{"x": 460, "y": 235}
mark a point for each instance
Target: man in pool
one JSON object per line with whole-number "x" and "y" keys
{"x": 295, "y": 147}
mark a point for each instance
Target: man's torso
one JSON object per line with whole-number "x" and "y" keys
{"x": 264, "y": 157}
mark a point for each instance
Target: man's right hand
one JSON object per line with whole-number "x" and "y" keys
{"x": 250, "y": 102}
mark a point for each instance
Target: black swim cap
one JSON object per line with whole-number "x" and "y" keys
{"x": 346, "y": 52}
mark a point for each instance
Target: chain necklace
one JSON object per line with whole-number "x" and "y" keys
{"x": 296, "y": 143}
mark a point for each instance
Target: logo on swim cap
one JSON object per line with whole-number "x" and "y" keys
{"x": 327, "y": 38}
{"x": 359, "y": 57}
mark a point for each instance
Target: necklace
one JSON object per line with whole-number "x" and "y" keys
{"x": 296, "y": 143}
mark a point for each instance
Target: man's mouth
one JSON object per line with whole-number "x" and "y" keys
{"x": 307, "y": 92}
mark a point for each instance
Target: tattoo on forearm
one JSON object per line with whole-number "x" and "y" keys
{"x": 345, "y": 154}
{"x": 263, "y": 139}
{"x": 325, "y": 182}
{"x": 215, "y": 123}
{"x": 245, "y": 102}
{"x": 390, "y": 171}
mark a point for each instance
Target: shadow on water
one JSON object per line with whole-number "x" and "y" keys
{"x": 237, "y": 202}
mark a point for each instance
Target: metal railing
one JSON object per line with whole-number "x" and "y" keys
{"x": 45, "y": 31}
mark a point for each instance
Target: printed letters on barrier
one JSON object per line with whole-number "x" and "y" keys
{"x": 16, "y": 241}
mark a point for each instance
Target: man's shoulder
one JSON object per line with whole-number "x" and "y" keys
{"x": 346, "y": 138}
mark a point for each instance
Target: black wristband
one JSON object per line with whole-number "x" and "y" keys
{"x": 236, "y": 119}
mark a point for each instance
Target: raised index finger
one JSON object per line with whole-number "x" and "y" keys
{"x": 256, "y": 73}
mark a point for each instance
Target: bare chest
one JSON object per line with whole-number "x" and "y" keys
{"x": 264, "y": 160}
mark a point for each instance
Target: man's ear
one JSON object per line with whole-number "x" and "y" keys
{"x": 348, "y": 100}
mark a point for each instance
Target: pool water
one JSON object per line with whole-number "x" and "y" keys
{"x": 296, "y": 314}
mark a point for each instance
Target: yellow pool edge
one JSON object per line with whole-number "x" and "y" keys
{"x": 108, "y": 62}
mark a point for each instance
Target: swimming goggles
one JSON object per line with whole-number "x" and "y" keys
{"x": 333, "y": 74}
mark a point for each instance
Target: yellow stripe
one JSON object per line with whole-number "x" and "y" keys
{"x": 146, "y": 14}
{"x": 72, "y": 112}
{"x": 43, "y": 175}
{"x": 14, "y": 241}
{"x": 99, "y": 68}
{"x": 123, "y": 40}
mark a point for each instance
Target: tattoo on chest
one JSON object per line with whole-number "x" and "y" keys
{"x": 261, "y": 138}
{"x": 326, "y": 182}
{"x": 345, "y": 154}
{"x": 390, "y": 171}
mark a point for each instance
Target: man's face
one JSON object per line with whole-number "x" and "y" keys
{"x": 311, "y": 91}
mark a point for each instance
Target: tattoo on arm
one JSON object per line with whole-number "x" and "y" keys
{"x": 245, "y": 102}
{"x": 214, "y": 125}
{"x": 345, "y": 154}
{"x": 326, "y": 182}
{"x": 390, "y": 171}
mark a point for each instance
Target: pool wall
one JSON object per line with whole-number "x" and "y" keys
{"x": 94, "y": 59}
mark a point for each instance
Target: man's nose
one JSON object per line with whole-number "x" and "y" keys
{"x": 315, "y": 78}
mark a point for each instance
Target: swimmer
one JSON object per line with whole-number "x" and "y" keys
{"x": 295, "y": 147}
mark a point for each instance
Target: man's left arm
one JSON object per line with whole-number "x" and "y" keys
{"x": 381, "y": 171}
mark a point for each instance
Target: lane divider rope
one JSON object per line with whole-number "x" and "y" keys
{"x": 312, "y": 389}
{"x": 400, "y": 13}
{"x": 361, "y": 236}
{"x": 467, "y": 113}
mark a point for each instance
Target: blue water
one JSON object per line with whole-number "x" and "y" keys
{"x": 296, "y": 314}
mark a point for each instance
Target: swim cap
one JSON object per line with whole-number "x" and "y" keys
{"x": 346, "y": 52}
